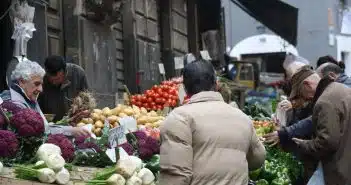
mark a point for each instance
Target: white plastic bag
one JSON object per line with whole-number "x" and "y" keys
{"x": 317, "y": 177}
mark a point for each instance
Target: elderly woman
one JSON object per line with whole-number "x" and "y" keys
{"x": 27, "y": 80}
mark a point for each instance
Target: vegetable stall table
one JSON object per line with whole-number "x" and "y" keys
{"x": 79, "y": 176}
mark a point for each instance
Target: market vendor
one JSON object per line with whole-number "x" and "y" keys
{"x": 62, "y": 83}
{"x": 27, "y": 80}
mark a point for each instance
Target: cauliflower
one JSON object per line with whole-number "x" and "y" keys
{"x": 146, "y": 176}
{"x": 28, "y": 122}
{"x": 10, "y": 107}
{"x": 128, "y": 166}
{"x": 148, "y": 147}
{"x": 81, "y": 143}
{"x": 8, "y": 144}
{"x": 134, "y": 180}
{"x": 47, "y": 149}
{"x": 65, "y": 145}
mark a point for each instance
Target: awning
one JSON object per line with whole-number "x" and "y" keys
{"x": 264, "y": 43}
{"x": 278, "y": 16}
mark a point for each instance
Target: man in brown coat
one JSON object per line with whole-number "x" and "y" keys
{"x": 207, "y": 141}
{"x": 331, "y": 141}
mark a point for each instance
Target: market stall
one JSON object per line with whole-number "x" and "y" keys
{"x": 124, "y": 146}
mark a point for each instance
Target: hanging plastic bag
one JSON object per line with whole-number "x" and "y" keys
{"x": 317, "y": 177}
{"x": 292, "y": 63}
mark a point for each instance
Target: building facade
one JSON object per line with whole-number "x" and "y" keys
{"x": 319, "y": 28}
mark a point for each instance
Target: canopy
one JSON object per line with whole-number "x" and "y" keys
{"x": 264, "y": 43}
{"x": 278, "y": 16}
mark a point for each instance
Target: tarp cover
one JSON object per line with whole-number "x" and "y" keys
{"x": 278, "y": 16}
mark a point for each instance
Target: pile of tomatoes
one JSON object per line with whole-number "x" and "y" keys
{"x": 158, "y": 97}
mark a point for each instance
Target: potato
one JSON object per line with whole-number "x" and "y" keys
{"x": 152, "y": 119}
{"x": 129, "y": 111}
{"x": 95, "y": 116}
{"x": 122, "y": 115}
{"x": 153, "y": 113}
{"x": 97, "y": 111}
{"x": 148, "y": 125}
{"x": 111, "y": 126}
{"x": 106, "y": 112}
{"x": 143, "y": 110}
{"x": 160, "y": 118}
{"x": 81, "y": 124}
{"x": 99, "y": 124}
{"x": 102, "y": 117}
{"x": 117, "y": 110}
{"x": 112, "y": 119}
{"x": 98, "y": 131}
{"x": 142, "y": 120}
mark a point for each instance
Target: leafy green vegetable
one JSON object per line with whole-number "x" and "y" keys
{"x": 153, "y": 164}
{"x": 91, "y": 158}
{"x": 262, "y": 182}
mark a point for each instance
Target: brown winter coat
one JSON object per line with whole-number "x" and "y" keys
{"x": 331, "y": 142}
{"x": 208, "y": 142}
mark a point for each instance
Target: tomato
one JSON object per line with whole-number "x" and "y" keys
{"x": 139, "y": 97}
{"x": 152, "y": 103}
{"x": 149, "y": 99}
{"x": 163, "y": 100}
{"x": 158, "y": 100}
{"x": 155, "y": 87}
{"x": 174, "y": 103}
{"x": 159, "y": 107}
{"x": 169, "y": 102}
{"x": 159, "y": 91}
{"x": 154, "y": 107}
{"x": 175, "y": 97}
{"x": 165, "y": 95}
{"x": 143, "y": 99}
{"x": 133, "y": 101}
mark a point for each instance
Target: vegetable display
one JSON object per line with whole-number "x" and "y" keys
{"x": 128, "y": 171}
{"x": 65, "y": 145}
{"x": 145, "y": 119}
{"x": 280, "y": 168}
{"x": 8, "y": 143}
{"x": 158, "y": 97}
{"x": 28, "y": 122}
{"x": 49, "y": 169}
{"x": 263, "y": 127}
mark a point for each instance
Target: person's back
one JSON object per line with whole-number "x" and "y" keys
{"x": 208, "y": 142}
{"x": 335, "y": 106}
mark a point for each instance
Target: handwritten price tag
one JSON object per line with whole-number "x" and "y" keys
{"x": 117, "y": 136}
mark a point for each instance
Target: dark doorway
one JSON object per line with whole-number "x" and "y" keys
{"x": 6, "y": 44}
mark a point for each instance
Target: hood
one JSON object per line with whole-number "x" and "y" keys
{"x": 206, "y": 96}
{"x": 344, "y": 79}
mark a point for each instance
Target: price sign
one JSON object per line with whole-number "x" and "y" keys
{"x": 181, "y": 93}
{"x": 178, "y": 63}
{"x": 129, "y": 124}
{"x": 161, "y": 68}
{"x": 117, "y": 136}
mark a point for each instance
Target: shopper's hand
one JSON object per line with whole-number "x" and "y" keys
{"x": 79, "y": 116}
{"x": 285, "y": 105}
{"x": 79, "y": 131}
{"x": 299, "y": 141}
{"x": 272, "y": 138}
